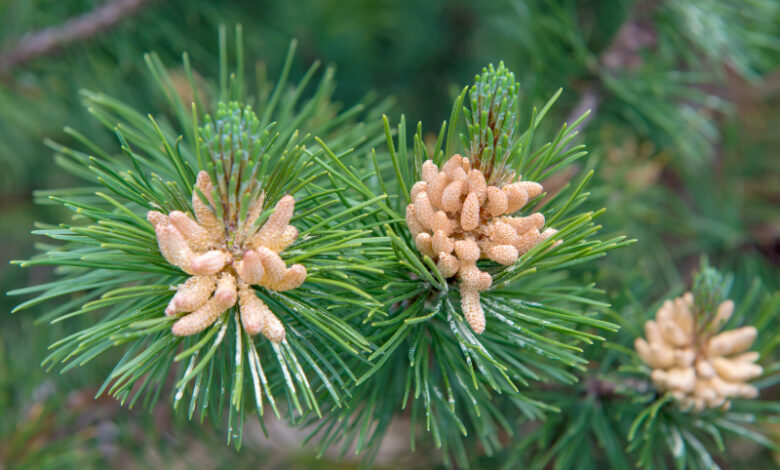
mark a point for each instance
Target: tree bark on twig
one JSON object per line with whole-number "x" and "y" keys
{"x": 45, "y": 41}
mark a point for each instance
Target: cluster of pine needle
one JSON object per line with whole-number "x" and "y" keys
{"x": 254, "y": 247}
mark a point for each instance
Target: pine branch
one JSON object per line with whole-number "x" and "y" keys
{"x": 49, "y": 40}
{"x": 617, "y": 407}
{"x": 456, "y": 380}
{"x": 124, "y": 265}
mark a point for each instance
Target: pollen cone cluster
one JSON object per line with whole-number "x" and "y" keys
{"x": 456, "y": 218}
{"x": 224, "y": 259}
{"x": 699, "y": 368}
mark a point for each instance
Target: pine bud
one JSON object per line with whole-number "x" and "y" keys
{"x": 531, "y": 188}
{"x": 478, "y": 185}
{"x": 436, "y": 190}
{"x": 252, "y": 215}
{"x": 418, "y": 188}
{"x": 450, "y": 198}
{"x": 528, "y": 240}
{"x": 469, "y": 216}
{"x": 287, "y": 238}
{"x": 670, "y": 328}
{"x": 455, "y": 161}
{"x": 655, "y": 355}
{"x": 429, "y": 171}
{"x": 424, "y": 210}
{"x": 524, "y": 224}
{"x": 725, "y": 310}
{"x": 441, "y": 222}
{"x": 467, "y": 251}
{"x": 252, "y": 309}
{"x": 733, "y": 370}
{"x": 221, "y": 248}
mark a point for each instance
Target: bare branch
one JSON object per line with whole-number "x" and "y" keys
{"x": 84, "y": 26}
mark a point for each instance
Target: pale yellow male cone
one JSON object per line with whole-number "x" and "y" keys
{"x": 457, "y": 218}
{"x": 222, "y": 274}
{"x": 700, "y": 368}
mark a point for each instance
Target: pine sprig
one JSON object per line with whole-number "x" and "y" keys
{"x": 660, "y": 430}
{"x": 109, "y": 251}
{"x": 455, "y": 383}
{"x": 616, "y": 407}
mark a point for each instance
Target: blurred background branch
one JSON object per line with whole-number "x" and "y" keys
{"x": 624, "y": 52}
{"x": 48, "y": 40}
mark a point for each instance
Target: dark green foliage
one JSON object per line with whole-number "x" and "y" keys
{"x": 680, "y": 143}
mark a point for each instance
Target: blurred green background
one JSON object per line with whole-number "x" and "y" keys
{"x": 682, "y": 134}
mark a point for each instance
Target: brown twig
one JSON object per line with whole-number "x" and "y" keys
{"x": 84, "y": 26}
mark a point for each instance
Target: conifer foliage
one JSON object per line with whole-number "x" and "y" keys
{"x": 218, "y": 199}
{"x": 260, "y": 250}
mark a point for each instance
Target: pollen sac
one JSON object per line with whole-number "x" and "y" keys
{"x": 700, "y": 367}
{"x": 256, "y": 317}
{"x": 199, "y": 247}
{"x": 221, "y": 245}
{"x": 191, "y": 295}
{"x": 457, "y": 217}
{"x": 223, "y": 297}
